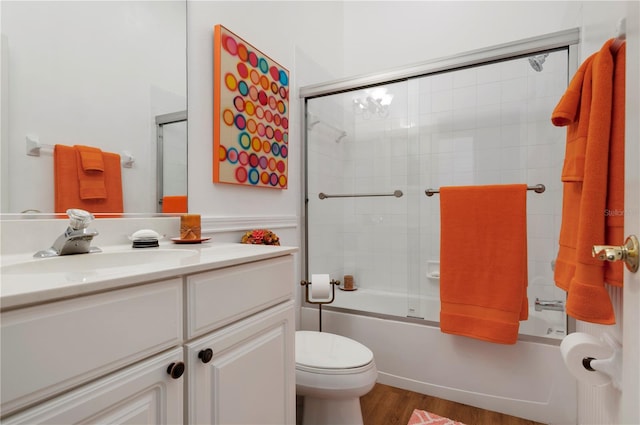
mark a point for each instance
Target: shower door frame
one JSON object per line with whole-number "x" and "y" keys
{"x": 561, "y": 40}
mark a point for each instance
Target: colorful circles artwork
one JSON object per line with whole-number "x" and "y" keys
{"x": 251, "y": 115}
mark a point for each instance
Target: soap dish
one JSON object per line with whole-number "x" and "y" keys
{"x": 145, "y": 238}
{"x": 145, "y": 243}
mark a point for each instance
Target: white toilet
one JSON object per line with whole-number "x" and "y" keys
{"x": 332, "y": 373}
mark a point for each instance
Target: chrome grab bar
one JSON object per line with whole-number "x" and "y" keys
{"x": 555, "y": 305}
{"x": 396, "y": 193}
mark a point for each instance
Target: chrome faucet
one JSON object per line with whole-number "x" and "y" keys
{"x": 555, "y": 305}
{"x": 76, "y": 239}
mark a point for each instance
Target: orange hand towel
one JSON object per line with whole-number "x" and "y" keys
{"x": 174, "y": 204}
{"x": 90, "y": 166}
{"x": 67, "y": 185}
{"x": 586, "y": 179}
{"x": 90, "y": 158}
{"x": 483, "y": 261}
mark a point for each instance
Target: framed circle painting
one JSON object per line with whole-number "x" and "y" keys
{"x": 250, "y": 114}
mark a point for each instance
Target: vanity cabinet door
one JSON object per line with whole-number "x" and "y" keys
{"x": 141, "y": 394}
{"x": 244, "y": 373}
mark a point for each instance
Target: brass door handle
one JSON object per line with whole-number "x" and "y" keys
{"x": 627, "y": 253}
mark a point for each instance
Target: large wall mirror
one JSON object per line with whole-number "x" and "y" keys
{"x": 99, "y": 74}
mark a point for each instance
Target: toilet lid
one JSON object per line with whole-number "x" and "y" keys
{"x": 329, "y": 351}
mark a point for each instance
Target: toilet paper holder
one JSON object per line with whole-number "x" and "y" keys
{"x": 608, "y": 367}
{"x": 611, "y": 366}
{"x": 333, "y": 283}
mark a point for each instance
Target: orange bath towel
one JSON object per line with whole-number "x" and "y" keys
{"x": 67, "y": 187}
{"x": 591, "y": 186}
{"x": 90, "y": 166}
{"x": 483, "y": 261}
{"x": 174, "y": 204}
{"x": 614, "y": 230}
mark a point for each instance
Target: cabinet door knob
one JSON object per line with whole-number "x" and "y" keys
{"x": 205, "y": 355}
{"x": 176, "y": 369}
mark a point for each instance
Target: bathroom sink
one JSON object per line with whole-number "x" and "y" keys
{"x": 100, "y": 261}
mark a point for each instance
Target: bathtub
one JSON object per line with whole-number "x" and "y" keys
{"x": 547, "y": 324}
{"x": 527, "y": 379}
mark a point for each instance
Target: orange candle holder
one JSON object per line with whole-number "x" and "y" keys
{"x": 348, "y": 282}
{"x": 190, "y": 227}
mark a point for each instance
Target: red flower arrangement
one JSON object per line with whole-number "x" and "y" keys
{"x": 260, "y": 237}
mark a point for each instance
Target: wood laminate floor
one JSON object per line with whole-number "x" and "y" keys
{"x": 386, "y": 405}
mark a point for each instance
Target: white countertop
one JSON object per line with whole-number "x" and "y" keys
{"x": 20, "y": 289}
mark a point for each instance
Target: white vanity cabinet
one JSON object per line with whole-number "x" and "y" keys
{"x": 212, "y": 346}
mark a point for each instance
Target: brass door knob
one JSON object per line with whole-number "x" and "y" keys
{"x": 627, "y": 253}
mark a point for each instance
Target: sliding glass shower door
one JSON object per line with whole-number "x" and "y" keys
{"x": 357, "y": 210}
{"x": 488, "y": 123}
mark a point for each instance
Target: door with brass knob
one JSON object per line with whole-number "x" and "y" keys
{"x": 627, "y": 253}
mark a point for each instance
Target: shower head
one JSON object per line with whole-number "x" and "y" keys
{"x": 537, "y": 61}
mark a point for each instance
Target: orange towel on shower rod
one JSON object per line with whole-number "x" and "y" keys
{"x": 592, "y": 109}
{"x": 483, "y": 261}
{"x": 67, "y": 185}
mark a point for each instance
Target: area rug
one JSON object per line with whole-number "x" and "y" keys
{"x": 422, "y": 417}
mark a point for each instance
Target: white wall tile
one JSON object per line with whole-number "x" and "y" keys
{"x": 514, "y": 89}
{"x": 488, "y": 93}
{"x": 465, "y": 77}
{"x": 488, "y": 73}
{"x": 440, "y": 82}
{"x": 442, "y": 101}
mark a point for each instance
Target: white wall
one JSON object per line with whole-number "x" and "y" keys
{"x": 305, "y": 38}
{"x": 383, "y": 35}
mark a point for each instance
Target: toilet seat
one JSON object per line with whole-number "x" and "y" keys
{"x": 324, "y": 352}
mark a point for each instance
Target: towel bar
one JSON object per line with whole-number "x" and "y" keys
{"x": 539, "y": 188}
{"x": 34, "y": 146}
{"x": 396, "y": 193}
